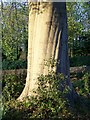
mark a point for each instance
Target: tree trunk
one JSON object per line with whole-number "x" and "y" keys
{"x": 47, "y": 39}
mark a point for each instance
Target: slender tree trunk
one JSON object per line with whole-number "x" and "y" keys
{"x": 47, "y": 39}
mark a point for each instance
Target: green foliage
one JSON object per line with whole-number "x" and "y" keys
{"x": 78, "y": 28}
{"x": 17, "y": 64}
{"x": 48, "y": 103}
{"x": 12, "y": 86}
{"x": 80, "y": 61}
{"x": 74, "y": 27}
{"x": 82, "y": 104}
{"x": 83, "y": 86}
{"x": 81, "y": 45}
{"x": 14, "y": 29}
{"x": 51, "y": 102}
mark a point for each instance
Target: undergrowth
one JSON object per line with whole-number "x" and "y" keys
{"x": 50, "y": 102}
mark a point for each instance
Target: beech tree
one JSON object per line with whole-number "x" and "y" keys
{"x": 47, "y": 39}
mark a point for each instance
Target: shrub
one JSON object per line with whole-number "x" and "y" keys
{"x": 12, "y": 86}
{"x": 82, "y": 86}
{"x": 18, "y": 64}
{"x": 48, "y": 103}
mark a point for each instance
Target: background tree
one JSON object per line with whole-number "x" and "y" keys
{"x": 78, "y": 24}
{"x": 14, "y": 30}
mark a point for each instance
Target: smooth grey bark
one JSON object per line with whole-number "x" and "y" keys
{"x": 48, "y": 38}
